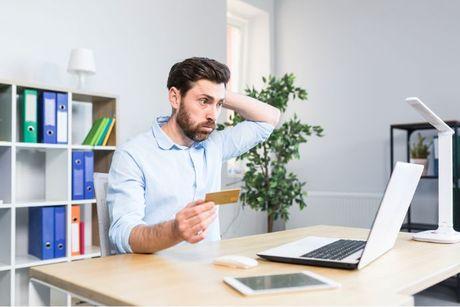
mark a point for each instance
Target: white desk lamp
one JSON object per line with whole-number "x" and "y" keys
{"x": 81, "y": 63}
{"x": 445, "y": 232}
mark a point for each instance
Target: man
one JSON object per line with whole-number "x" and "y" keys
{"x": 158, "y": 180}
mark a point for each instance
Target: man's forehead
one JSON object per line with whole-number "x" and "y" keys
{"x": 206, "y": 87}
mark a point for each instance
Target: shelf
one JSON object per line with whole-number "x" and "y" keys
{"x": 41, "y": 145}
{"x": 436, "y": 177}
{"x": 6, "y": 114}
{"x": 86, "y": 109}
{"x": 91, "y": 252}
{"x": 43, "y": 203}
{"x": 423, "y": 126}
{"x": 6, "y": 172}
{"x": 5, "y": 235}
{"x": 102, "y": 161}
{"x": 41, "y": 175}
{"x": 5, "y": 288}
{"x": 4, "y": 267}
{"x": 25, "y": 261}
{"x": 419, "y": 226}
{"x": 83, "y": 201}
{"x": 429, "y": 177}
{"x": 88, "y": 147}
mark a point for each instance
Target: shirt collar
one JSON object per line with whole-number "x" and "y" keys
{"x": 163, "y": 140}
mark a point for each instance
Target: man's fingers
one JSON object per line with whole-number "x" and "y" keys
{"x": 194, "y": 203}
{"x": 197, "y": 209}
{"x": 203, "y": 225}
{"x": 199, "y": 236}
{"x": 192, "y": 221}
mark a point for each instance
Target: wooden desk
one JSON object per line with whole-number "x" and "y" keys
{"x": 184, "y": 275}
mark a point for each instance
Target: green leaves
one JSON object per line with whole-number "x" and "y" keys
{"x": 277, "y": 92}
{"x": 268, "y": 186}
{"x": 419, "y": 150}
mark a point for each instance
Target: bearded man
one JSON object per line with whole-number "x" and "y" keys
{"x": 158, "y": 180}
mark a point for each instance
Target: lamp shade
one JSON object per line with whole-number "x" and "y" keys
{"x": 81, "y": 61}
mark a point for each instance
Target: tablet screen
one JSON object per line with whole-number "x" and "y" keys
{"x": 281, "y": 281}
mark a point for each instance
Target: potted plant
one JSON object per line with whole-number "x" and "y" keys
{"x": 419, "y": 153}
{"x": 267, "y": 184}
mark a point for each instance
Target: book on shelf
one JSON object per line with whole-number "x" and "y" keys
{"x": 107, "y": 130}
{"x": 89, "y": 139}
{"x": 100, "y": 132}
{"x": 43, "y": 117}
{"x": 47, "y": 232}
{"x": 47, "y": 117}
{"x": 28, "y": 113}
{"x": 75, "y": 230}
{"x": 82, "y": 175}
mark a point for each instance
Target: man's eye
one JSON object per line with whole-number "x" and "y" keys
{"x": 203, "y": 100}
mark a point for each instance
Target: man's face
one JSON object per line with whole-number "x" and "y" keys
{"x": 199, "y": 109}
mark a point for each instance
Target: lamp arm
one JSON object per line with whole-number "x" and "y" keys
{"x": 445, "y": 185}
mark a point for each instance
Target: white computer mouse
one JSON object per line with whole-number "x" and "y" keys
{"x": 235, "y": 261}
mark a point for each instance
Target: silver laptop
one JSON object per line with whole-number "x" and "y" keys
{"x": 356, "y": 254}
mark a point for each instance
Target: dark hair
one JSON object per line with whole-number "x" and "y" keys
{"x": 183, "y": 74}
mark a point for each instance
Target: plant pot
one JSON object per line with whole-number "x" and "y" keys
{"x": 423, "y": 162}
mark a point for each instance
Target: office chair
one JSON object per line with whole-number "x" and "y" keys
{"x": 103, "y": 220}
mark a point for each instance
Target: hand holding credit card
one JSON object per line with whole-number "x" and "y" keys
{"x": 223, "y": 197}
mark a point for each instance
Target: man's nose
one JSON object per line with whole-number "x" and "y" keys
{"x": 213, "y": 113}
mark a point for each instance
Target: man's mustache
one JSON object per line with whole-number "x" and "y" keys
{"x": 209, "y": 124}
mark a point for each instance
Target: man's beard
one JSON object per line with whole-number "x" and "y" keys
{"x": 193, "y": 132}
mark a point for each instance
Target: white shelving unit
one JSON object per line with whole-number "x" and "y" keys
{"x": 36, "y": 175}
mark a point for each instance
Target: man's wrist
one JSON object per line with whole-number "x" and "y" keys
{"x": 229, "y": 99}
{"x": 175, "y": 233}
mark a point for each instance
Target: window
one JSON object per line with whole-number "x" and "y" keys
{"x": 248, "y": 55}
{"x": 236, "y": 55}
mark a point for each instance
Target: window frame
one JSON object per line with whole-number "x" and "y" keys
{"x": 241, "y": 23}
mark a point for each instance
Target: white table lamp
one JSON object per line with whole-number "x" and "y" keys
{"x": 445, "y": 232}
{"x": 81, "y": 63}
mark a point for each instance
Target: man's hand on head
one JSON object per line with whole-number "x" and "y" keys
{"x": 191, "y": 223}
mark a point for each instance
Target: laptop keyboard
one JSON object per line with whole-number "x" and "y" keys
{"x": 337, "y": 250}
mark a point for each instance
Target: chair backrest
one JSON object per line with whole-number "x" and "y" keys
{"x": 100, "y": 187}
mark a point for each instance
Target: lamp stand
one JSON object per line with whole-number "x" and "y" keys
{"x": 81, "y": 80}
{"x": 445, "y": 232}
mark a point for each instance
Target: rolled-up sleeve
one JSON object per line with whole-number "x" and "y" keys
{"x": 125, "y": 199}
{"x": 242, "y": 137}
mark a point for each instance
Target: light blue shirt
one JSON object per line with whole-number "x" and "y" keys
{"x": 152, "y": 178}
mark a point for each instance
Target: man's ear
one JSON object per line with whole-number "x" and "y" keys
{"x": 174, "y": 97}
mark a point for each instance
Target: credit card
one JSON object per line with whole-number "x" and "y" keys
{"x": 223, "y": 197}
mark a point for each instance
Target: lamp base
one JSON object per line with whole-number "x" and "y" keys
{"x": 446, "y": 235}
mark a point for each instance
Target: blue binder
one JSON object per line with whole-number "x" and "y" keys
{"x": 78, "y": 189}
{"x": 89, "y": 174}
{"x": 41, "y": 232}
{"x": 47, "y": 128}
{"x": 59, "y": 232}
{"x": 61, "y": 118}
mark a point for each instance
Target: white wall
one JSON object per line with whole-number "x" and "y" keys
{"x": 135, "y": 44}
{"x": 359, "y": 59}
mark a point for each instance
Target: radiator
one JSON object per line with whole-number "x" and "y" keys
{"x": 336, "y": 208}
